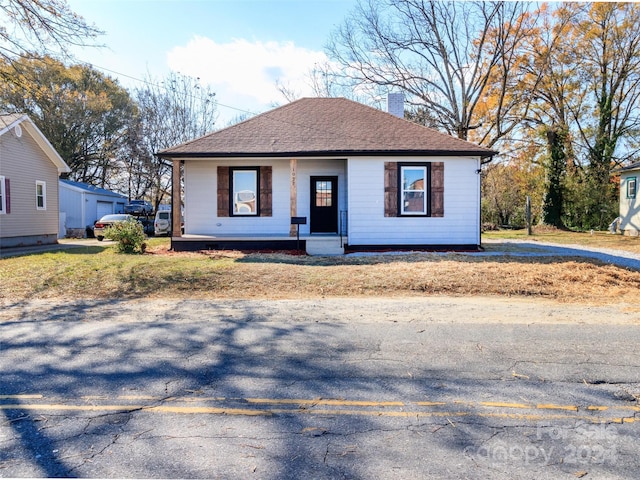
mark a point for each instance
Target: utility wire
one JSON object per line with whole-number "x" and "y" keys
{"x": 151, "y": 84}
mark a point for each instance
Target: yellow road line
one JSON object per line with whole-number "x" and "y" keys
{"x": 505, "y": 405}
{"x": 20, "y": 397}
{"x": 550, "y": 406}
{"x": 320, "y": 401}
{"x": 271, "y": 406}
{"x": 191, "y": 410}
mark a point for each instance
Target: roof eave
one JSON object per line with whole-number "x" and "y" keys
{"x": 483, "y": 154}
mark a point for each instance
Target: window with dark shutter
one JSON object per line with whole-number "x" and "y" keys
{"x": 413, "y": 189}
{"x": 245, "y": 191}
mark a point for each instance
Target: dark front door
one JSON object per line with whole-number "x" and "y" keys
{"x": 324, "y": 205}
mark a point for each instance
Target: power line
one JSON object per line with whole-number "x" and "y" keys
{"x": 151, "y": 84}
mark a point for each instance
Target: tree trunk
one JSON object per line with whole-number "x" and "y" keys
{"x": 556, "y": 169}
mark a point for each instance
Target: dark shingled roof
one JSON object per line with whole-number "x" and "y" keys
{"x": 324, "y": 127}
{"x": 633, "y": 166}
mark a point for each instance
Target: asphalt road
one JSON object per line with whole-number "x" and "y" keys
{"x": 420, "y": 388}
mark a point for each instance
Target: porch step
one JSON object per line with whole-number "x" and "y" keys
{"x": 325, "y": 245}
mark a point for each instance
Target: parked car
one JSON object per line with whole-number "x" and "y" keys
{"x": 162, "y": 223}
{"x": 138, "y": 207}
{"x": 107, "y": 220}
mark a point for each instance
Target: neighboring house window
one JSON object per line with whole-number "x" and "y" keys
{"x": 414, "y": 189}
{"x": 244, "y": 191}
{"x": 631, "y": 187}
{"x": 3, "y": 196}
{"x": 41, "y": 195}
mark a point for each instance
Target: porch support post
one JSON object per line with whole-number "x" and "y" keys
{"x": 293, "y": 176}
{"x": 176, "y": 200}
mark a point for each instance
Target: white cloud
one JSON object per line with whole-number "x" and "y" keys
{"x": 244, "y": 74}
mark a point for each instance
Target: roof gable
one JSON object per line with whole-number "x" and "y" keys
{"x": 11, "y": 121}
{"x": 325, "y": 126}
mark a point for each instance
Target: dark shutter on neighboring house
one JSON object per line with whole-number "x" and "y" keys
{"x": 265, "y": 191}
{"x": 437, "y": 189}
{"x": 390, "y": 189}
{"x": 7, "y": 194}
{"x": 223, "y": 191}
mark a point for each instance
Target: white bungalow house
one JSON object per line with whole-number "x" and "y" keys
{"x": 29, "y": 171}
{"x": 346, "y": 175}
{"x": 629, "y": 220}
{"x": 82, "y": 204}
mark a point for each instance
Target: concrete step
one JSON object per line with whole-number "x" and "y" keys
{"x": 325, "y": 245}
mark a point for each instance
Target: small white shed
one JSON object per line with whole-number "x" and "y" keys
{"x": 82, "y": 204}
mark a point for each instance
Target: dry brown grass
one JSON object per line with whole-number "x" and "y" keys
{"x": 105, "y": 274}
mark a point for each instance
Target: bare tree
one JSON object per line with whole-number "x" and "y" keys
{"x": 172, "y": 111}
{"x": 443, "y": 54}
{"x": 41, "y": 27}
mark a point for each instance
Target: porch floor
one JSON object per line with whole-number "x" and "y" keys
{"x": 315, "y": 244}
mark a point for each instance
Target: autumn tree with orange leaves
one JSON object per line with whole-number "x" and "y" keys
{"x": 586, "y": 106}
{"x": 559, "y": 81}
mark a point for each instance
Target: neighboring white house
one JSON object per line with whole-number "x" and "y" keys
{"x": 629, "y": 200}
{"x": 349, "y": 174}
{"x": 29, "y": 172}
{"x": 82, "y": 204}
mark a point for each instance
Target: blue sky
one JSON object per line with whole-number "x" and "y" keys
{"x": 239, "y": 47}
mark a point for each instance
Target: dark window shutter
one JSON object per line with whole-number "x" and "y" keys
{"x": 265, "y": 191}
{"x": 437, "y": 189}
{"x": 390, "y": 189}
{"x": 223, "y": 191}
{"x": 7, "y": 194}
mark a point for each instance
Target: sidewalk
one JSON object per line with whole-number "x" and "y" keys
{"x": 63, "y": 244}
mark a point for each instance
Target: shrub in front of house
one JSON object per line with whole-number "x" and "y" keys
{"x": 129, "y": 235}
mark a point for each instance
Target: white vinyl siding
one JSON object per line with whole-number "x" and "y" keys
{"x": 201, "y": 187}
{"x": 360, "y": 193}
{"x": 460, "y": 224}
{"x": 629, "y": 203}
{"x": 201, "y": 204}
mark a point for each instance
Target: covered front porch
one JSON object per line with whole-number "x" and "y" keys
{"x": 295, "y": 205}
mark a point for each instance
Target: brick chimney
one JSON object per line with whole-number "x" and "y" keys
{"x": 395, "y": 104}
